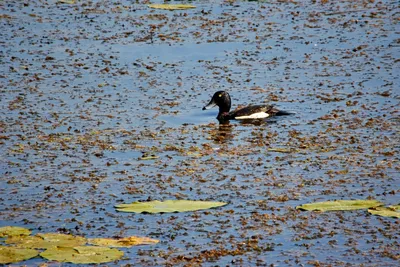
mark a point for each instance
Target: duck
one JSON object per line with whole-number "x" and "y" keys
{"x": 222, "y": 99}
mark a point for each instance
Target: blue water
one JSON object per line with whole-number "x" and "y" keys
{"x": 84, "y": 95}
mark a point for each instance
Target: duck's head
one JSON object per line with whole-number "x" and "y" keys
{"x": 220, "y": 99}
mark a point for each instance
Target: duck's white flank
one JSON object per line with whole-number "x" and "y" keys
{"x": 258, "y": 115}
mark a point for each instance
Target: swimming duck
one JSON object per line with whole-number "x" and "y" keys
{"x": 223, "y": 100}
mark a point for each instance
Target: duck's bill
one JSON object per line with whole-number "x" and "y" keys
{"x": 209, "y": 105}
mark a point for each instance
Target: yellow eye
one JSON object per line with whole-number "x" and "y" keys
{"x": 220, "y": 95}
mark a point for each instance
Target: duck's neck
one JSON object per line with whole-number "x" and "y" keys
{"x": 223, "y": 113}
{"x": 225, "y": 109}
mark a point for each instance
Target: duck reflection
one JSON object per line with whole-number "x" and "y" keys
{"x": 258, "y": 122}
{"x": 222, "y": 133}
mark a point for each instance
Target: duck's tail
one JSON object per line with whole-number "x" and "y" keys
{"x": 284, "y": 113}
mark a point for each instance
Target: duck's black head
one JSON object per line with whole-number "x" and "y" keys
{"x": 222, "y": 100}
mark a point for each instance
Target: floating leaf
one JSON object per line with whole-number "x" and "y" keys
{"x": 171, "y": 7}
{"x": 123, "y": 242}
{"x": 82, "y": 254}
{"x": 340, "y": 205}
{"x": 168, "y": 206}
{"x": 47, "y": 240}
{"x": 67, "y": 1}
{"x": 12, "y": 255}
{"x": 13, "y": 231}
{"x": 391, "y": 211}
{"x": 148, "y": 157}
{"x": 282, "y": 150}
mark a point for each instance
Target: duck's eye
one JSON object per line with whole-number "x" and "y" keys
{"x": 220, "y": 95}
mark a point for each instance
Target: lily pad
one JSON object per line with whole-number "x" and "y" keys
{"x": 47, "y": 240}
{"x": 82, "y": 254}
{"x": 148, "y": 157}
{"x": 67, "y": 1}
{"x": 282, "y": 150}
{"x": 168, "y": 206}
{"x": 340, "y": 205}
{"x": 12, "y": 254}
{"x": 391, "y": 211}
{"x": 123, "y": 242}
{"x": 171, "y": 7}
{"x": 13, "y": 231}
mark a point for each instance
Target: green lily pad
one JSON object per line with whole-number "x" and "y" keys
{"x": 82, "y": 254}
{"x": 47, "y": 240}
{"x": 122, "y": 242}
{"x": 282, "y": 150}
{"x": 391, "y": 211}
{"x": 13, "y": 231}
{"x": 168, "y": 206}
{"x": 13, "y": 255}
{"x": 67, "y": 1}
{"x": 340, "y": 205}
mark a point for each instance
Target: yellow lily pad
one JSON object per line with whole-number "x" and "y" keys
{"x": 340, "y": 205}
{"x": 82, "y": 254}
{"x": 13, "y": 231}
{"x": 123, "y": 242}
{"x": 171, "y": 7}
{"x": 148, "y": 157}
{"x": 168, "y": 206}
{"x": 47, "y": 240}
{"x": 13, "y": 255}
{"x": 391, "y": 211}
